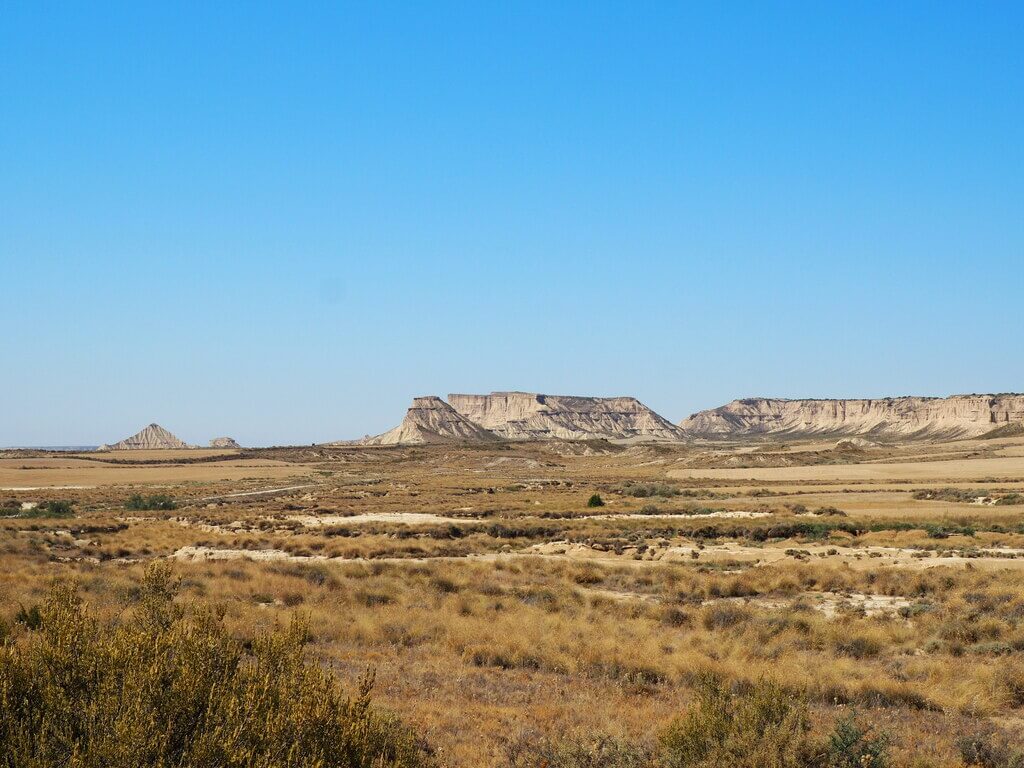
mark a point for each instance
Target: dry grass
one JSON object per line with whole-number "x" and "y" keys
{"x": 485, "y": 646}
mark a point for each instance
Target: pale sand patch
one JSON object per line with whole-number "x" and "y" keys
{"x": 829, "y": 603}
{"x": 861, "y": 558}
{"x": 259, "y": 555}
{"x": 263, "y": 492}
{"x": 403, "y": 518}
{"x": 679, "y": 515}
{"x": 202, "y": 554}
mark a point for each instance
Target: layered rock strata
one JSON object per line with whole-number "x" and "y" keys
{"x": 893, "y": 417}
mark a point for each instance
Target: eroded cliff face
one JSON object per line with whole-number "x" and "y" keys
{"x": 904, "y": 417}
{"x": 531, "y": 416}
{"x": 432, "y": 420}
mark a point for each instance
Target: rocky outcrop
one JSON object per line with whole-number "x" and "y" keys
{"x": 894, "y": 417}
{"x": 855, "y": 444}
{"x": 150, "y": 438}
{"x": 224, "y": 442}
{"x": 432, "y": 420}
{"x": 530, "y": 416}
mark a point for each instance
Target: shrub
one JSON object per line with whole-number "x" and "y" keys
{"x": 856, "y": 645}
{"x": 51, "y": 508}
{"x": 171, "y": 689}
{"x": 1009, "y": 499}
{"x": 595, "y": 501}
{"x": 829, "y": 512}
{"x": 989, "y": 749}
{"x": 724, "y": 616}
{"x": 945, "y": 530}
{"x": 647, "y": 490}
{"x": 531, "y": 750}
{"x": 29, "y": 617}
{"x": 763, "y": 727}
{"x": 851, "y": 746}
{"x": 137, "y": 502}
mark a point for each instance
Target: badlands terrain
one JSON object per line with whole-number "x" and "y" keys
{"x": 532, "y": 416}
{"x": 571, "y": 602}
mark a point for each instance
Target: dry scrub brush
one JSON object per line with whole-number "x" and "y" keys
{"x": 167, "y": 688}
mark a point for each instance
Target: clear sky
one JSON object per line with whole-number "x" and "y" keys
{"x": 281, "y": 222}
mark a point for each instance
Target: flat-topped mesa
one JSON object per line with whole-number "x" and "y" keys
{"x": 224, "y": 442}
{"x": 897, "y": 417}
{"x": 432, "y": 420}
{"x": 531, "y": 416}
{"x": 153, "y": 437}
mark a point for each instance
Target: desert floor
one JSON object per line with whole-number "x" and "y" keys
{"x": 497, "y": 607}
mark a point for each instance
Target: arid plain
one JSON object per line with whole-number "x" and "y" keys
{"x": 505, "y": 609}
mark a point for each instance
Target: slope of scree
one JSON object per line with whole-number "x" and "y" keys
{"x": 530, "y": 416}
{"x": 432, "y": 420}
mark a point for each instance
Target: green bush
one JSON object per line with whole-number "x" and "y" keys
{"x": 647, "y": 490}
{"x": 595, "y": 501}
{"x": 945, "y": 530}
{"x": 137, "y": 502}
{"x": 30, "y": 617}
{"x": 52, "y": 508}
{"x": 763, "y": 727}
{"x": 851, "y": 746}
{"x": 171, "y": 688}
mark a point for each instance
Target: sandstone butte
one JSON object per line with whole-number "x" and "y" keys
{"x": 531, "y": 416}
{"x": 891, "y": 417}
{"x": 527, "y": 416}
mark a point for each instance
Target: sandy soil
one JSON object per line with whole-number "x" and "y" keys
{"x": 771, "y": 554}
{"x": 829, "y": 603}
{"x": 1007, "y": 467}
{"x": 48, "y": 473}
{"x": 169, "y": 454}
{"x": 736, "y": 513}
{"x": 403, "y": 518}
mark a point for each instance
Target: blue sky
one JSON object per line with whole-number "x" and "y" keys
{"x": 282, "y": 221}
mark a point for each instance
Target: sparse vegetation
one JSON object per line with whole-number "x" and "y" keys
{"x": 170, "y": 688}
{"x": 970, "y": 496}
{"x": 762, "y": 726}
{"x": 647, "y": 490}
{"x": 569, "y": 638}
{"x": 156, "y": 501}
{"x": 50, "y": 508}
{"x": 595, "y": 501}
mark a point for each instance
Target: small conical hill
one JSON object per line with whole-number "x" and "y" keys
{"x": 149, "y": 438}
